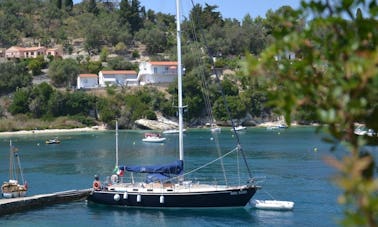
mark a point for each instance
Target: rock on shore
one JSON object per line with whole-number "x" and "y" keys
{"x": 160, "y": 124}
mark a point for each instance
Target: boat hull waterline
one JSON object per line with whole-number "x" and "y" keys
{"x": 237, "y": 197}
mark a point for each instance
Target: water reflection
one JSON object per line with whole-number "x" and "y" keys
{"x": 174, "y": 216}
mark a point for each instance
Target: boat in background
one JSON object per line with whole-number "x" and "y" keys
{"x": 215, "y": 128}
{"x": 276, "y": 127}
{"x": 239, "y": 128}
{"x": 53, "y": 141}
{"x": 12, "y": 188}
{"x": 172, "y": 131}
{"x": 272, "y": 205}
{"x": 153, "y": 138}
{"x": 361, "y": 130}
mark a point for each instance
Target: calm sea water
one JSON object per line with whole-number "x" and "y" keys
{"x": 290, "y": 162}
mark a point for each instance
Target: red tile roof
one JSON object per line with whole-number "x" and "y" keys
{"x": 127, "y": 72}
{"x": 88, "y": 75}
{"x": 163, "y": 63}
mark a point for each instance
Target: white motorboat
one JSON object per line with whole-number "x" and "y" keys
{"x": 216, "y": 129}
{"x": 172, "y": 131}
{"x": 240, "y": 128}
{"x": 272, "y": 205}
{"x": 153, "y": 138}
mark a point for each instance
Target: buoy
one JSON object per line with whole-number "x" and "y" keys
{"x": 139, "y": 198}
{"x": 161, "y": 199}
{"x": 116, "y": 197}
{"x": 315, "y": 149}
{"x": 125, "y": 195}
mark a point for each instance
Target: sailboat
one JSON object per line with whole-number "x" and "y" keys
{"x": 167, "y": 185}
{"x": 12, "y": 188}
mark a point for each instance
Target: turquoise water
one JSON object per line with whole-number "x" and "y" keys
{"x": 290, "y": 163}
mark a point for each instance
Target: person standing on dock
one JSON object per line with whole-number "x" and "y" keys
{"x": 97, "y": 183}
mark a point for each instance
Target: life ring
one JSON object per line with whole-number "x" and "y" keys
{"x": 97, "y": 185}
{"x": 114, "y": 179}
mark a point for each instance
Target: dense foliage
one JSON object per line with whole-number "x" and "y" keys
{"x": 13, "y": 76}
{"x": 335, "y": 80}
{"x": 105, "y": 23}
{"x": 108, "y": 28}
{"x": 43, "y": 101}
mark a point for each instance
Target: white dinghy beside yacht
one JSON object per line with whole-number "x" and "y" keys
{"x": 272, "y": 205}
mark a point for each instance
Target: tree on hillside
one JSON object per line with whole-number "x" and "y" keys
{"x": 39, "y": 97}
{"x": 68, "y": 4}
{"x": 63, "y": 73}
{"x": 154, "y": 38}
{"x": 255, "y": 32}
{"x": 58, "y": 4}
{"x": 20, "y": 103}
{"x": 131, "y": 13}
{"x": 92, "y": 7}
{"x": 206, "y": 17}
{"x": 13, "y": 76}
{"x": 336, "y": 80}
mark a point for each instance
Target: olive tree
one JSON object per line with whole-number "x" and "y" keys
{"x": 63, "y": 72}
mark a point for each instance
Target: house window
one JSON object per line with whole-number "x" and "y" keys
{"x": 155, "y": 70}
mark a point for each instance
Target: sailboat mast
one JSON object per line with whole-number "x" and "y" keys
{"x": 116, "y": 163}
{"x": 11, "y": 161}
{"x": 179, "y": 80}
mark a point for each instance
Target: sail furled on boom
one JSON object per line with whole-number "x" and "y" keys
{"x": 171, "y": 168}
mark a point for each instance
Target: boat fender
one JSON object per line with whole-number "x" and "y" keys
{"x": 116, "y": 197}
{"x": 125, "y": 195}
{"x": 161, "y": 199}
{"x": 114, "y": 179}
{"x": 139, "y": 198}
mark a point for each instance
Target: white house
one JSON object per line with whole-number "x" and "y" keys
{"x": 87, "y": 81}
{"x": 118, "y": 78}
{"x": 157, "y": 72}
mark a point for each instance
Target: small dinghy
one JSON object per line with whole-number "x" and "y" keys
{"x": 272, "y": 205}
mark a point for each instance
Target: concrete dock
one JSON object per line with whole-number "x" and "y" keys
{"x": 8, "y": 206}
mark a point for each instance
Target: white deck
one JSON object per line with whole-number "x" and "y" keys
{"x": 168, "y": 188}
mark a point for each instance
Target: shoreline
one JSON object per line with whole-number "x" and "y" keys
{"x": 102, "y": 128}
{"x": 51, "y": 131}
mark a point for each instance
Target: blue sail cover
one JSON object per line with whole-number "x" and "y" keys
{"x": 172, "y": 168}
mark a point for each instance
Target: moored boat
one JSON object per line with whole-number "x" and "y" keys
{"x": 169, "y": 185}
{"x": 239, "y": 128}
{"x": 272, "y": 205}
{"x": 12, "y": 188}
{"x": 172, "y": 131}
{"x": 153, "y": 138}
{"x": 53, "y": 141}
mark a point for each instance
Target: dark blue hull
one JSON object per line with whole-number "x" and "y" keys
{"x": 224, "y": 198}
